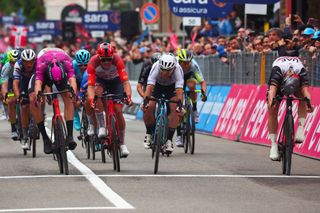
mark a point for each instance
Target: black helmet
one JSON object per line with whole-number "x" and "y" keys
{"x": 290, "y": 85}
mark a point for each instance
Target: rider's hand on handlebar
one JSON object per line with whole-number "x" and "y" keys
{"x": 310, "y": 108}
{"x": 203, "y": 96}
{"x": 145, "y": 104}
{"x": 128, "y": 100}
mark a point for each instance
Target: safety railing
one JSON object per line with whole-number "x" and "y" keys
{"x": 241, "y": 68}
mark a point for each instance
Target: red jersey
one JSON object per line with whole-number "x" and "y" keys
{"x": 114, "y": 70}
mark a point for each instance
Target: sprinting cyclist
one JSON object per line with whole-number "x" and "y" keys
{"x": 106, "y": 72}
{"x": 80, "y": 63}
{"x": 166, "y": 78}
{"x": 24, "y": 68}
{"x": 192, "y": 76}
{"x": 7, "y": 90}
{"x": 54, "y": 66}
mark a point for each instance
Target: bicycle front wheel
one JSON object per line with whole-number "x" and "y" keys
{"x": 60, "y": 141}
{"x": 186, "y": 131}
{"x": 159, "y": 142}
{"x": 115, "y": 144}
{"x": 289, "y": 132}
{"x": 192, "y": 131}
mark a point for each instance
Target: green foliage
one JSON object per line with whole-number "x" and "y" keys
{"x": 33, "y": 10}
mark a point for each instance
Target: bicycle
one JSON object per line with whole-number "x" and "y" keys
{"x": 112, "y": 141}
{"x": 59, "y": 129}
{"x": 33, "y": 132}
{"x": 285, "y": 140}
{"x": 188, "y": 124}
{"x": 160, "y": 132}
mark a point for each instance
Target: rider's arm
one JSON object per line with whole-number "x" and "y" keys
{"x": 179, "y": 82}
{"x": 37, "y": 86}
{"x": 199, "y": 76}
{"x": 271, "y": 94}
{"x": 149, "y": 91}
{"x": 4, "y": 77}
{"x": 16, "y": 79}
{"x": 140, "y": 90}
{"x": 73, "y": 83}
{"x": 16, "y": 89}
{"x": 4, "y": 88}
{"x": 91, "y": 81}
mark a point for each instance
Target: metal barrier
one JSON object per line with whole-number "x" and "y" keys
{"x": 242, "y": 68}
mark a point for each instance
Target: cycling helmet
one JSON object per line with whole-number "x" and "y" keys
{"x": 184, "y": 55}
{"x": 155, "y": 57}
{"x": 82, "y": 56}
{"x": 167, "y": 62}
{"x": 291, "y": 84}
{"x": 316, "y": 35}
{"x": 13, "y": 55}
{"x": 28, "y": 55}
{"x": 105, "y": 50}
{"x": 56, "y": 72}
{"x": 308, "y": 31}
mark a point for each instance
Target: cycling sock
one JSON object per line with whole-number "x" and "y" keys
{"x": 272, "y": 137}
{"x": 302, "y": 121}
{"x": 13, "y": 127}
{"x": 42, "y": 130}
{"x": 170, "y": 133}
{"x": 178, "y": 131}
{"x": 194, "y": 106}
{"x": 122, "y": 135}
{"x": 100, "y": 119}
{"x": 150, "y": 129}
{"x": 70, "y": 128}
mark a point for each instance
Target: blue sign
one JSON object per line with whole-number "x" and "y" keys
{"x": 32, "y": 31}
{"x": 8, "y": 20}
{"x": 200, "y": 8}
{"x": 251, "y": 1}
{"x": 48, "y": 27}
{"x": 101, "y": 20}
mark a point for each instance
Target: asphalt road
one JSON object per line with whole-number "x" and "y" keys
{"x": 222, "y": 176}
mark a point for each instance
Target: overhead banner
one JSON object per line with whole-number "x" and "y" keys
{"x": 48, "y": 27}
{"x": 101, "y": 20}
{"x": 200, "y": 8}
{"x": 72, "y": 13}
{"x": 250, "y": 1}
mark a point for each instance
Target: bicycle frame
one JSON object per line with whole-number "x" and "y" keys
{"x": 161, "y": 112}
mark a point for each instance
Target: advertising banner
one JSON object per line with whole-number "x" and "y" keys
{"x": 101, "y": 21}
{"x": 48, "y": 27}
{"x": 200, "y": 8}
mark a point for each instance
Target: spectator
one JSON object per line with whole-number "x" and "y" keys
{"x": 266, "y": 44}
{"x": 233, "y": 45}
{"x": 208, "y": 30}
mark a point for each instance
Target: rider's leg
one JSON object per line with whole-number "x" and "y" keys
{"x": 302, "y": 114}
{"x": 99, "y": 111}
{"x": 12, "y": 116}
{"x": 273, "y": 127}
{"x": 149, "y": 120}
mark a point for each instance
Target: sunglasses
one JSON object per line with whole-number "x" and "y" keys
{"x": 82, "y": 65}
{"x": 28, "y": 62}
{"x": 106, "y": 59}
{"x": 168, "y": 70}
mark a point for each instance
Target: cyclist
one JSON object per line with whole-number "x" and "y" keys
{"x": 166, "y": 78}
{"x": 144, "y": 74}
{"x": 24, "y": 68}
{"x": 106, "y": 72}
{"x": 287, "y": 66}
{"x": 54, "y": 66}
{"x": 7, "y": 90}
{"x": 80, "y": 63}
{"x": 192, "y": 76}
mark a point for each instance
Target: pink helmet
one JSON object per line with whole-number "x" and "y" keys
{"x": 56, "y": 72}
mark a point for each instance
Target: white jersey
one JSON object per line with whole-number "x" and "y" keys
{"x": 288, "y": 64}
{"x": 48, "y": 49}
{"x": 176, "y": 78}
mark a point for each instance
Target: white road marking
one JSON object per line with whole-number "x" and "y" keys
{"x": 99, "y": 185}
{"x": 170, "y": 176}
{"x": 60, "y": 209}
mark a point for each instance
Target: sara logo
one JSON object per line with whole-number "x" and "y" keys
{"x": 191, "y": 1}
{"x": 96, "y": 18}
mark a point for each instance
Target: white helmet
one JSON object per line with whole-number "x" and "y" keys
{"x": 167, "y": 62}
{"x": 28, "y": 55}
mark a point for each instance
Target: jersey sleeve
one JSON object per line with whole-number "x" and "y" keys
{"x": 197, "y": 72}
{"x": 121, "y": 69}
{"x": 5, "y": 73}
{"x": 91, "y": 75}
{"x": 67, "y": 62}
{"x": 154, "y": 72}
{"x": 40, "y": 68}
{"x": 304, "y": 81}
{"x": 16, "y": 71}
{"x": 179, "y": 77}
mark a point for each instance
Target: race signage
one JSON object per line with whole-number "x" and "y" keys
{"x": 47, "y": 27}
{"x": 200, "y": 8}
{"x": 101, "y": 21}
{"x": 72, "y": 13}
{"x": 251, "y": 1}
{"x": 32, "y": 31}
{"x": 191, "y": 21}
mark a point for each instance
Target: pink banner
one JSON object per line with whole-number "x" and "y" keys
{"x": 235, "y": 112}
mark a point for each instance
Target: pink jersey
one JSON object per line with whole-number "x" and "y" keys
{"x": 46, "y": 58}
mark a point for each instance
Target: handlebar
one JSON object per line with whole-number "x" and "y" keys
{"x": 279, "y": 99}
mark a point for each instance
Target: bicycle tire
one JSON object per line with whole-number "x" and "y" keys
{"x": 289, "y": 131}
{"x": 60, "y": 140}
{"x": 115, "y": 144}
{"x": 159, "y": 142}
{"x": 34, "y": 147}
{"x": 103, "y": 151}
{"x": 186, "y": 134}
{"x": 92, "y": 142}
{"x": 192, "y": 130}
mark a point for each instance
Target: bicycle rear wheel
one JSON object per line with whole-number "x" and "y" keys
{"x": 115, "y": 144}
{"x": 159, "y": 142}
{"x": 60, "y": 140}
{"x": 186, "y": 133}
{"x": 289, "y": 131}
{"x": 92, "y": 142}
{"x": 103, "y": 151}
{"x": 34, "y": 147}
